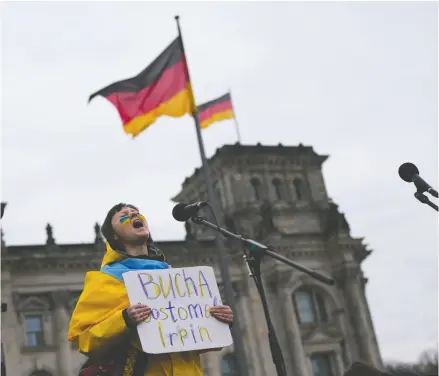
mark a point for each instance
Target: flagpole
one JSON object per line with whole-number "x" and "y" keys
{"x": 225, "y": 275}
{"x": 234, "y": 117}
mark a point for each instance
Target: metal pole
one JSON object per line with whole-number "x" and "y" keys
{"x": 4, "y": 309}
{"x": 225, "y": 275}
{"x": 234, "y": 117}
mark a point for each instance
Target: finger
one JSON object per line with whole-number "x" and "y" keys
{"x": 143, "y": 314}
{"x": 217, "y": 309}
{"x": 141, "y": 318}
{"x": 222, "y": 309}
{"x": 139, "y": 306}
{"x": 224, "y": 317}
{"x": 141, "y": 310}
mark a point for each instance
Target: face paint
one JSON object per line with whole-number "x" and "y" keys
{"x": 125, "y": 220}
{"x": 141, "y": 217}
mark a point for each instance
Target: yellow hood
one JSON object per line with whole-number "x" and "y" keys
{"x": 111, "y": 256}
{"x": 101, "y": 298}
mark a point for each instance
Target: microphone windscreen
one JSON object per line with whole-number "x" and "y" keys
{"x": 406, "y": 171}
{"x": 179, "y": 213}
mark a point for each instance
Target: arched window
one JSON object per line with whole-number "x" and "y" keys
{"x": 229, "y": 365}
{"x": 310, "y": 306}
{"x": 278, "y": 189}
{"x": 299, "y": 188}
{"x": 257, "y": 189}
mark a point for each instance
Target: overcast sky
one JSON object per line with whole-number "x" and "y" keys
{"x": 357, "y": 81}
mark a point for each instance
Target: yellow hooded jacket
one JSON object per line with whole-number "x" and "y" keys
{"x": 97, "y": 322}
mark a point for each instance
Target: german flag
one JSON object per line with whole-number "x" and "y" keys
{"x": 215, "y": 110}
{"x": 162, "y": 89}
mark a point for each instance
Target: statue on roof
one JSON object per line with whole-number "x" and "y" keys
{"x": 98, "y": 236}
{"x": 3, "y": 207}
{"x": 49, "y": 231}
{"x": 3, "y": 245}
{"x": 343, "y": 223}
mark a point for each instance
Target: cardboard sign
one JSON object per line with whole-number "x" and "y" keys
{"x": 180, "y": 300}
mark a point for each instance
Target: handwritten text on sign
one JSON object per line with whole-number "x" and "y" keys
{"x": 180, "y": 300}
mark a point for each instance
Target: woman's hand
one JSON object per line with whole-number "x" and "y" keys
{"x": 138, "y": 313}
{"x": 222, "y": 313}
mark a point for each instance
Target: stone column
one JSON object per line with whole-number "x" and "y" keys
{"x": 339, "y": 362}
{"x": 367, "y": 350}
{"x": 62, "y": 319}
{"x": 299, "y": 359}
{"x": 375, "y": 348}
{"x": 12, "y": 331}
{"x": 228, "y": 191}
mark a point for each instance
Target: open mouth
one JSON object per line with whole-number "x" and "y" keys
{"x": 137, "y": 223}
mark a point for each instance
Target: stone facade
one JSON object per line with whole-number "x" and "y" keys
{"x": 274, "y": 194}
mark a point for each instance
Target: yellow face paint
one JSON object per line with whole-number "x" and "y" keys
{"x": 126, "y": 219}
{"x": 141, "y": 217}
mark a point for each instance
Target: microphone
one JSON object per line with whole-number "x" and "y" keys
{"x": 182, "y": 212}
{"x": 410, "y": 173}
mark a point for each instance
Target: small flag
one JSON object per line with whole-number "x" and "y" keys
{"x": 162, "y": 89}
{"x": 215, "y": 110}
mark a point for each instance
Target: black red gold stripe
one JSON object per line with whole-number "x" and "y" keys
{"x": 215, "y": 110}
{"x": 163, "y": 88}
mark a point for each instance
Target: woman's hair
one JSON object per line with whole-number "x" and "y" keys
{"x": 108, "y": 232}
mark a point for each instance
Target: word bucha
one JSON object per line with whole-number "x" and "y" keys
{"x": 177, "y": 284}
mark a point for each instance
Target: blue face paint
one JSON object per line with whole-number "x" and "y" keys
{"x": 125, "y": 220}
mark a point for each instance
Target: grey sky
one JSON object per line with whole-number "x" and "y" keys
{"x": 357, "y": 81}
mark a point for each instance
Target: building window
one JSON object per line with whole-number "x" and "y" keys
{"x": 229, "y": 365}
{"x": 257, "y": 189}
{"x": 322, "y": 364}
{"x": 278, "y": 189}
{"x": 310, "y": 306}
{"x": 34, "y": 330}
{"x": 299, "y": 188}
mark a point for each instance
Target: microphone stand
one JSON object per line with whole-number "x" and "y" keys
{"x": 424, "y": 199}
{"x": 253, "y": 259}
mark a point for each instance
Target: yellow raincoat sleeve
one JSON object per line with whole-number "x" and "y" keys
{"x": 97, "y": 320}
